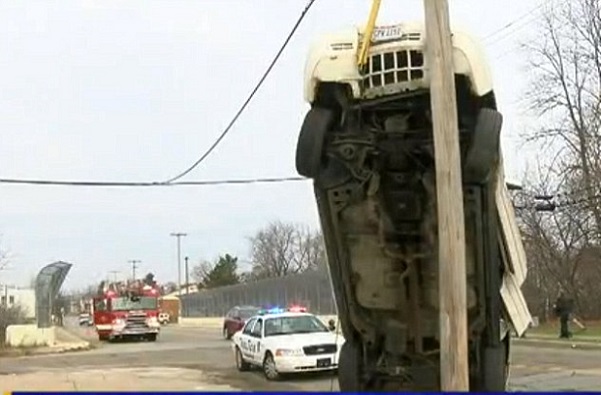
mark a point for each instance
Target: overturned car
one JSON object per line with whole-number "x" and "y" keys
{"x": 367, "y": 144}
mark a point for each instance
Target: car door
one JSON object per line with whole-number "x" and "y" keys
{"x": 256, "y": 336}
{"x": 231, "y": 320}
{"x": 246, "y": 340}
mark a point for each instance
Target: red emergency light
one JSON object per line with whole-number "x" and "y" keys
{"x": 297, "y": 309}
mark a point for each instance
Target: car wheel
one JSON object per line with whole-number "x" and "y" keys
{"x": 152, "y": 337}
{"x": 270, "y": 370}
{"x": 309, "y": 148}
{"x": 484, "y": 149}
{"x": 241, "y": 364}
{"x": 349, "y": 369}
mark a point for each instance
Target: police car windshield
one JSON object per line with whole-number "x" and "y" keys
{"x": 293, "y": 325}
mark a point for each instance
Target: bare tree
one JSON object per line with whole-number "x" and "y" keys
{"x": 200, "y": 272}
{"x": 566, "y": 94}
{"x": 560, "y": 255}
{"x": 281, "y": 248}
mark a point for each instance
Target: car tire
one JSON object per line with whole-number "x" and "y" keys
{"x": 495, "y": 369}
{"x": 270, "y": 370}
{"x": 309, "y": 147}
{"x": 483, "y": 152}
{"x": 349, "y": 369}
{"x": 103, "y": 338}
{"x": 241, "y": 364}
{"x": 152, "y": 337}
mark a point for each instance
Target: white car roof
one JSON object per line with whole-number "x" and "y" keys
{"x": 284, "y": 314}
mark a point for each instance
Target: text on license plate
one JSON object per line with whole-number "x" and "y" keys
{"x": 383, "y": 33}
{"x": 324, "y": 362}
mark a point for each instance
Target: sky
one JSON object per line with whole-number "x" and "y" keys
{"x": 137, "y": 90}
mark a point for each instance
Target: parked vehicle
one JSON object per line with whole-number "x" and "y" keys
{"x": 236, "y": 318}
{"x": 164, "y": 318}
{"x": 86, "y": 319}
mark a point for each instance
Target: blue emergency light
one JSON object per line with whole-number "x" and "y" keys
{"x": 278, "y": 310}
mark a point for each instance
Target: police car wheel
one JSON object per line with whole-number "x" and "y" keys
{"x": 241, "y": 364}
{"x": 269, "y": 369}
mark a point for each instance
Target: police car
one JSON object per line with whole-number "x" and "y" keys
{"x": 286, "y": 341}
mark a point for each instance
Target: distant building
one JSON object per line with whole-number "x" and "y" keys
{"x": 12, "y": 295}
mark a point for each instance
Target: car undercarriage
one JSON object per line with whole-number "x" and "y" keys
{"x": 372, "y": 163}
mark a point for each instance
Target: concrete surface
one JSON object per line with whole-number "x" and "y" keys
{"x": 196, "y": 359}
{"x": 113, "y": 379}
{"x": 30, "y": 336}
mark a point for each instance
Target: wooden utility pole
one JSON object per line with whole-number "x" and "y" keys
{"x": 451, "y": 227}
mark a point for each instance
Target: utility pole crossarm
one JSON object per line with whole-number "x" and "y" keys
{"x": 454, "y": 366}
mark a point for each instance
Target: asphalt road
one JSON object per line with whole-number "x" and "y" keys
{"x": 534, "y": 368}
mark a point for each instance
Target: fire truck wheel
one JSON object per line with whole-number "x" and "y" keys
{"x": 152, "y": 337}
{"x": 241, "y": 364}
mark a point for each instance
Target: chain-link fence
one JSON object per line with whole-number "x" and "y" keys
{"x": 47, "y": 284}
{"x": 311, "y": 289}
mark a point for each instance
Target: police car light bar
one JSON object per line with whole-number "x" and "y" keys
{"x": 278, "y": 310}
{"x": 297, "y": 309}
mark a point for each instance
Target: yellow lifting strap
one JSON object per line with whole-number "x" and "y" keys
{"x": 369, "y": 31}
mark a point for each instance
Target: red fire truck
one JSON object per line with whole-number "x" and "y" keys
{"x": 127, "y": 310}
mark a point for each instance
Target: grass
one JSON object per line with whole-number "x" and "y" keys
{"x": 592, "y": 331}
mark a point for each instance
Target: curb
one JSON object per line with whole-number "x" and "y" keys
{"x": 548, "y": 343}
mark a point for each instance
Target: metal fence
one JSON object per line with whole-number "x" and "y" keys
{"x": 47, "y": 284}
{"x": 312, "y": 290}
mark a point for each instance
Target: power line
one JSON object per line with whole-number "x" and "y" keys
{"x": 250, "y": 97}
{"x": 273, "y": 180}
{"x": 513, "y": 22}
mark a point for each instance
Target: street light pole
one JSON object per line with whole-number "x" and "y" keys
{"x": 134, "y": 267}
{"x": 179, "y": 235}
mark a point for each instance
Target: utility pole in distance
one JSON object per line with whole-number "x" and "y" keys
{"x": 187, "y": 278}
{"x": 454, "y": 366}
{"x": 179, "y": 235}
{"x": 134, "y": 267}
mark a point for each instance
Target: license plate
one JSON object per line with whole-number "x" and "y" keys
{"x": 324, "y": 362}
{"x": 384, "y": 33}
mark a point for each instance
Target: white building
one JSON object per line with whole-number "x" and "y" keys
{"x": 13, "y": 295}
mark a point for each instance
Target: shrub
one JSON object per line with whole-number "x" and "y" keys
{"x": 13, "y": 315}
